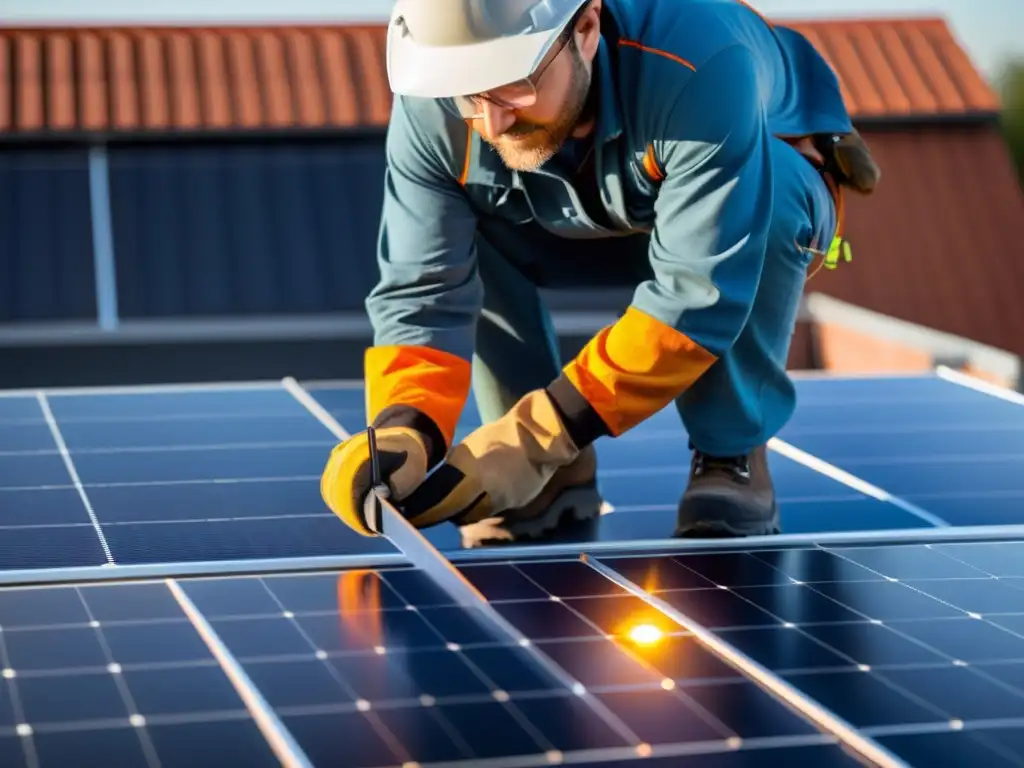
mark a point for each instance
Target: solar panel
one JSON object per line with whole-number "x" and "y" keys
{"x": 175, "y": 592}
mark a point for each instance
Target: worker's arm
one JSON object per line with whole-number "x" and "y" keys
{"x": 707, "y": 251}
{"x": 424, "y": 308}
{"x": 424, "y": 312}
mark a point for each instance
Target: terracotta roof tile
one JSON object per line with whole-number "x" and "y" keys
{"x": 938, "y": 244}
{"x": 140, "y": 79}
{"x": 894, "y": 67}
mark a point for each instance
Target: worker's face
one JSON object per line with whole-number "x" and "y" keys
{"x": 528, "y": 137}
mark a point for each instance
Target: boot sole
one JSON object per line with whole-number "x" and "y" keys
{"x": 711, "y": 527}
{"x": 574, "y": 505}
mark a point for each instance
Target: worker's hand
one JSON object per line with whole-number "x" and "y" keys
{"x": 405, "y": 455}
{"x": 502, "y": 465}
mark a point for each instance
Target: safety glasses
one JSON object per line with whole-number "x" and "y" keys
{"x": 516, "y": 95}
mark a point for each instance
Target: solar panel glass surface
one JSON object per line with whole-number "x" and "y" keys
{"x": 949, "y": 449}
{"x": 179, "y": 475}
{"x": 115, "y": 674}
{"x": 372, "y": 668}
{"x": 920, "y": 646}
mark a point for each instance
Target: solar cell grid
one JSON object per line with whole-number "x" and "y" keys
{"x": 409, "y": 677}
{"x": 174, "y": 475}
{"x": 115, "y": 675}
{"x": 900, "y": 641}
{"x": 936, "y": 442}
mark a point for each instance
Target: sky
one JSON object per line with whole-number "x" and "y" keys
{"x": 990, "y": 30}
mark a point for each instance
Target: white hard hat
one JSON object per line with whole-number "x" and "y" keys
{"x": 448, "y": 48}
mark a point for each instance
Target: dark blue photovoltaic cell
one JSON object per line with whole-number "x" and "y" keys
{"x": 32, "y": 470}
{"x": 210, "y": 464}
{"x": 955, "y": 748}
{"x": 172, "y": 475}
{"x": 320, "y": 536}
{"x": 346, "y": 403}
{"x": 905, "y": 637}
{"x": 60, "y": 547}
{"x": 174, "y": 403}
{"x": 19, "y": 408}
{"x": 255, "y": 498}
{"x": 183, "y": 430}
{"x": 999, "y": 559}
{"x": 26, "y": 434}
{"x": 91, "y": 681}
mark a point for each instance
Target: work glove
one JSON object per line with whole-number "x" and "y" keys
{"x": 407, "y": 443}
{"x": 499, "y": 466}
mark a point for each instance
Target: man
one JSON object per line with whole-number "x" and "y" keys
{"x": 685, "y": 147}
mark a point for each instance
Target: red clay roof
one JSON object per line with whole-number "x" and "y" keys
{"x": 901, "y": 67}
{"x": 142, "y": 79}
{"x": 938, "y": 244}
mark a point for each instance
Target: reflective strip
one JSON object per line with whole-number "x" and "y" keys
{"x": 651, "y": 166}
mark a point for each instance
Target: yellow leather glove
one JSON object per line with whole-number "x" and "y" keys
{"x": 408, "y": 445}
{"x": 501, "y": 465}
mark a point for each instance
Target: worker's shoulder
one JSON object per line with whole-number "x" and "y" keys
{"x": 429, "y": 131}
{"x": 664, "y": 46}
{"x": 666, "y": 42}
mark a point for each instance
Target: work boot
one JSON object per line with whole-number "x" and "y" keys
{"x": 728, "y": 497}
{"x": 571, "y": 496}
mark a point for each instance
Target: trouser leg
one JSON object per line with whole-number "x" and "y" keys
{"x": 517, "y": 352}
{"x": 746, "y": 397}
{"x": 516, "y": 348}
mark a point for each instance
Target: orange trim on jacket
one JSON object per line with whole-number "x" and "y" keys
{"x": 631, "y": 370}
{"x": 651, "y": 165}
{"x": 436, "y": 383}
{"x": 657, "y": 52}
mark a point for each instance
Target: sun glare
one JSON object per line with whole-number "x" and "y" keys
{"x": 645, "y": 634}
